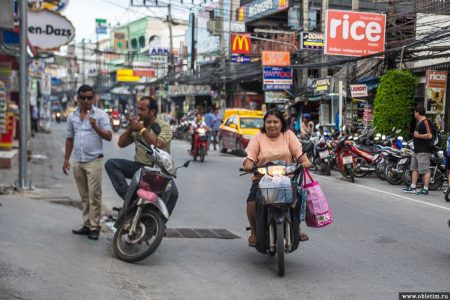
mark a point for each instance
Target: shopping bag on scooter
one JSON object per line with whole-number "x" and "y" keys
{"x": 276, "y": 189}
{"x": 302, "y": 194}
{"x": 318, "y": 214}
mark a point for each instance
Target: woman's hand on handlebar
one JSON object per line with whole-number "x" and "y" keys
{"x": 248, "y": 165}
{"x": 306, "y": 164}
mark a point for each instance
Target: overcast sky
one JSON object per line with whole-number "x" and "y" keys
{"x": 82, "y": 14}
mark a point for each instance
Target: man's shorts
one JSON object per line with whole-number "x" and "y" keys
{"x": 447, "y": 162}
{"x": 421, "y": 162}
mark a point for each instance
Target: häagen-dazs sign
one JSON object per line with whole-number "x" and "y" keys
{"x": 49, "y": 30}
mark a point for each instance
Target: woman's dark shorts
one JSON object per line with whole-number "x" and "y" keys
{"x": 447, "y": 162}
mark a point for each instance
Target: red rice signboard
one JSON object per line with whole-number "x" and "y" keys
{"x": 352, "y": 33}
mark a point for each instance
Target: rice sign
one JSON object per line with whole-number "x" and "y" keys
{"x": 49, "y": 30}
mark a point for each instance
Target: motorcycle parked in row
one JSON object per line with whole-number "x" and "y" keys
{"x": 148, "y": 204}
{"x": 200, "y": 143}
{"x": 344, "y": 157}
{"x": 277, "y": 221}
{"x": 322, "y": 158}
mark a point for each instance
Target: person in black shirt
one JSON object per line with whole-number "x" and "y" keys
{"x": 420, "y": 164}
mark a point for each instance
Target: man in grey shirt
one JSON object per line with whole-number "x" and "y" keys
{"x": 87, "y": 126}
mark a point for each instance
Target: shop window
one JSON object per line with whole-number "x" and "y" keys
{"x": 314, "y": 23}
{"x": 313, "y": 73}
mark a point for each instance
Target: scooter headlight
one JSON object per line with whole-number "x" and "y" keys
{"x": 262, "y": 171}
{"x": 276, "y": 170}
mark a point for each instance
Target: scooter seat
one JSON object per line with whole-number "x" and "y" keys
{"x": 370, "y": 149}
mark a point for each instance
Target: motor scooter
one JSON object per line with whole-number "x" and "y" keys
{"x": 148, "y": 204}
{"x": 277, "y": 213}
{"x": 115, "y": 123}
{"x": 344, "y": 157}
{"x": 200, "y": 143}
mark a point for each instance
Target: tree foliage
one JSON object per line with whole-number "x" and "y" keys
{"x": 394, "y": 102}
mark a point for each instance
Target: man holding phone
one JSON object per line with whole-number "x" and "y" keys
{"x": 139, "y": 128}
{"x": 87, "y": 127}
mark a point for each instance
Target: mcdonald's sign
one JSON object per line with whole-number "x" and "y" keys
{"x": 241, "y": 43}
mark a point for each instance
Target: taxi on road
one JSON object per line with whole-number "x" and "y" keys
{"x": 238, "y": 127}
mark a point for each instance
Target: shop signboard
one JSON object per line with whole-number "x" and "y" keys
{"x": 321, "y": 85}
{"x": 49, "y": 30}
{"x": 277, "y": 78}
{"x": 276, "y": 97}
{"x": 260, "y": 8}
{"x": 350, "y": 33}
{"x": 358, "y": 90}
{"x": 126, "y": 75}
{"x": 241, "y": 43}
{"x": 188, "y": 90}
{"x": 145, "y": 73}
{"x": 276, "y": 58}
{"x": 242, "y": 59}
{"x": 312, "y": 40}
{"x": 436, "y": 88}
{"x": 55, "y": 5}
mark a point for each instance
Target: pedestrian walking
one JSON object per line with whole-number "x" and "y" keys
{"x": 139, "y": 128}
{"x": 420, "y": 163}
{"x": 217, "y": 121}
{"x": 209, "y": 119}
{"x": 87, "y": 127}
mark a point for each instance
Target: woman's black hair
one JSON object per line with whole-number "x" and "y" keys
{"x": 277, "y": 113}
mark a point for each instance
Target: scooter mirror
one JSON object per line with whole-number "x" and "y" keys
{"x": 186, "y": 164}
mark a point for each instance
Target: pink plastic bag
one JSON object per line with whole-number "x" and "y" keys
{"x": 318, "y": 214}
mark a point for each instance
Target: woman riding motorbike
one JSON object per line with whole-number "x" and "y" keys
{"x": 274, "y": 142}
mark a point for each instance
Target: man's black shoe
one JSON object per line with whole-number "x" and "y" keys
{"x": 94, "y": 235}
{"x": 83, "y": 231}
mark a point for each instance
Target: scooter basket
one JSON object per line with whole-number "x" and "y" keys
{"x": 154, "y": 181}
{"x": 279, "y": 196}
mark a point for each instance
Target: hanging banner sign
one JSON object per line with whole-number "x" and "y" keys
{"x": 260, "y": 8}
{"x": 276, "y": 58}
{"x": 188, "y": 90}
{"x": 352, "y": 33}
{"x": 312, "y": 40}
{"x": 126, "y": 75}
{"x": 242, "y": 59}
{"x": 277, "y": 78}
{"x": 358, "y": 90}
{"x": 321, "y": 85}
{"x": 49, "y": 30}
{"x": 120, "y": 42}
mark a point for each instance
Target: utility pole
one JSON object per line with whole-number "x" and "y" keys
{"x": 24, "y": 182}
{"x": 83, "y": 62}
{"x": 171, "y": 58}
{"x": 305, "y": 11}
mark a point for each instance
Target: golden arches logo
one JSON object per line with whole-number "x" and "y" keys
{"x": 241, "y": 44}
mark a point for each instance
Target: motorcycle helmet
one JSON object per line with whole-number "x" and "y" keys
{"x": 307, "y": 116}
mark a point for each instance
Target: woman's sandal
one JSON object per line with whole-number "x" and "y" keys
{"x": 303, "y": 237}
{"x": 251, "y": 241}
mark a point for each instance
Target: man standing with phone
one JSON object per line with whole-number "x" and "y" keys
{"x": 87, "y": 127}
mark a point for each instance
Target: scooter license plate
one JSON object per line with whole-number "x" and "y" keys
{"x": 324, "y": 154}
{"x": 347, "y": 160}
{"x": 402, "y": 161}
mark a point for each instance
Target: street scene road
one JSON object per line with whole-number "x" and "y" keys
{"x": 380, "y": 243}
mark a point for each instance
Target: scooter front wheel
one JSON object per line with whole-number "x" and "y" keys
{"x": 136, "y": 246}
{"x": 280, "y": 249}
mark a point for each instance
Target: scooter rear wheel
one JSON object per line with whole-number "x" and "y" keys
{"x": 280, "y": 249}
{"x": 149, "y": 233}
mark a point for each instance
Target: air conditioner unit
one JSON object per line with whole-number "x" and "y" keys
{"x": 215, "y": 27}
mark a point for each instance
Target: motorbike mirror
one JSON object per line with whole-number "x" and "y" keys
{"x": 156, "y": 128}
{"x": 240, "y": 152}
{"x": 186, "y": 164}
{"x": 400, "y": 138}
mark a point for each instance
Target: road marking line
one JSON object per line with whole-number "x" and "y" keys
{"x": 393, "y": 195}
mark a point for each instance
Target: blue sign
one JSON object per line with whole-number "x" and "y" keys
{"x": 100, "y": 30}
{"x": 56, "y": 81}
{"x": 10, "y": 37}
{"x": 277, "y": 78}
{"x": 243, "y": 59}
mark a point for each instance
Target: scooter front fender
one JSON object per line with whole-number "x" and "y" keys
{"x": 161, "y": 206}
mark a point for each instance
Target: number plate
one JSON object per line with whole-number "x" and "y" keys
{"x": 324, "y": 154}
{"x": 347, "y": 160}
{"x": 402, "y": 161}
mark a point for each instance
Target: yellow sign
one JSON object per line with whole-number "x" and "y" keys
{"x": 241, "y": 13}
{"x": 126, "y": 75}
